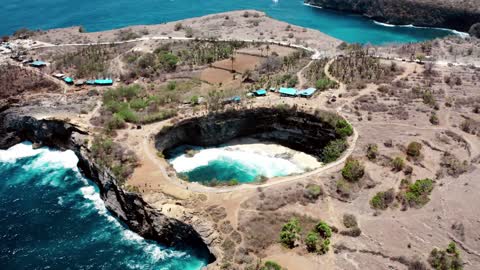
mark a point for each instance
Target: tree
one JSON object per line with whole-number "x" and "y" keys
{"x": 232, "y": 59}
{"x": 81, "y": 29}
{"x": 290, "y": 232}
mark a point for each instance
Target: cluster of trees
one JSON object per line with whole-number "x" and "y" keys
{"x": 446, "y": 259}
{"x": 131, "y": 104}
{"x": 317, "y": 240}
{"x": 87, "y": 62}
{"x": 16, "y": 80}
{"x": 315, "y": 74}
{"x": 410, "y": 195}
{"x": 359, "y": 67}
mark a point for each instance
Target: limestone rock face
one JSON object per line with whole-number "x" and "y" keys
{"x": 298, "y": 130}
{"x": 130, "y": 208}
{"x": 458, "y": 15}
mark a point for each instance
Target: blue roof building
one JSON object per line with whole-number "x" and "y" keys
{"x": 68, "y": 80}
{"x": 90, "y": 82}
{"x": 307, "y": 93}
{"x": 260, "y": 92}
{"x": 290, "y": 92}
{"x": 104, "y": 82}
{"x": 38, "y": 64}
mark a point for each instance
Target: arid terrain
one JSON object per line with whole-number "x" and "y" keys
{"x": 414, "y": 109}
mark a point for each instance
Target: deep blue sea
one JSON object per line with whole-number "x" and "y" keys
{"x": 53, "y": 218}
{"x": 97, "y": 15}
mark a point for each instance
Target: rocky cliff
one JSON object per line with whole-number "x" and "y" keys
{"x": 298, "y": 130}
{"x": 130, "y": 208}
{"x": 459, "y": 15}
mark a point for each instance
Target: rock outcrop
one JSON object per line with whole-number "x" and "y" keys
{"x": 458, "y": 15}
{"x": 130, "y": 208}
{"x": 301, "y": 131}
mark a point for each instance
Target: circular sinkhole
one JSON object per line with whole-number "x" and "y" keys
{"x": 252, "y": 145}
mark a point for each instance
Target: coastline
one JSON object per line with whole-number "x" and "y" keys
{"x": 451, "y": 30}
{"x": 129, "y": 208}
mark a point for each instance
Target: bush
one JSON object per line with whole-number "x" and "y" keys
{"x": 353, "y": 232}
{"x": 398, "y": 164}
{"x": 382, "y": 200}
{"x": 353, "y": 170}
{"x": 446, "y": 259}
{"x": 434, "y": 119}
{"x": 311, "y": 241}
{"x": 418, "y": 193}
{"x": 349, "y": 221}
{"x": 343, "y": 128}
{"x": 313, "y": 191}
{"x": 188, "y": 32}
{"x": 116, "y": 122}
{"x": 270, "y": 265}
{"x": 177, "y": 27}
{"x": 334, "y": 150}
{"x": 290, "y": 233}
{"x": 372, "y": 151}
{"x": 413, "y": 149}
{"x": 324, "y": 246}
{"x": 323, "y": 229}
{"x": 324, "y": 84}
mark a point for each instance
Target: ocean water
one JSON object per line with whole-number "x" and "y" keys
{"x": 225, "y": 163}
{"x": 97, "y": 15}
{"x": 53, "y": 218}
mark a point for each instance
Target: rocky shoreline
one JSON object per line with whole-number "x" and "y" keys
{"x": 423, "y": 13}
{"x": 129, "y": 207}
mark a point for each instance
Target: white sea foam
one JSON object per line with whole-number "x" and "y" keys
{"x": 267, "y": 165}
{"x": 66, "y": 159}
{"x": 458, "y": 33}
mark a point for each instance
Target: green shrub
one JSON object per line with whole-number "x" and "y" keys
{"x": 343, "y": 128}
{"x": 115, "y": 122}
{"x": 324, "y": 246}
{"x": 398, "y": 164}
{"x": 290, "y": 233}
{"x": 353, "y": 170}
{"x": 334, "y": 150}
{"x": 313, "y": 191}
{"x": 413, "y": 149}
{"x": 323, "y": 229}
{"x": 128, "y": 115}
{"x": 311, "y": 241}
{"x": 138, "y": 104}
{"x": 382, "y": 200}
{"x": 325, "y": 83}
{"x": 372, "y": 151}
{"x": 270, "y": 265}
{"x": 448, "y": 259}
{"x": 418, "y": 193}
{"x": 168, "y": 61}
{"x": 171, "y": 85}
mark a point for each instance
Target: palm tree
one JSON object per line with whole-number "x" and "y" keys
{"x": 232, "y": 58}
